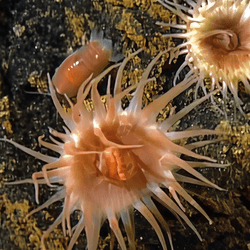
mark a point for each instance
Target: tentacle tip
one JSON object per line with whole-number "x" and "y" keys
{"x": 28, "y": 215}
{"x": 200, "y": 238}
{"x": 225, "y": 165}
{"x": 213, "y": 160}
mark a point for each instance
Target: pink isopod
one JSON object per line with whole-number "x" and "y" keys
{"x": 92, "y": 58}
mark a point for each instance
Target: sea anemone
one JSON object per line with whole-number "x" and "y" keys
{"x": 217, "y": 41}
{"x": 113, "y": 160}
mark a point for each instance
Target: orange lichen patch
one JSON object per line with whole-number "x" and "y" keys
{"x": 239, "y": 137}
{"x": 89, "y": 103}
{"x": 38, "y": 81}
{"x": 129, "y": 25}
{"x": 56, "y": 240}
{"x": 103, "y": 243}
{"x": 130, "y": 3}
{"x": 21, "y": 229}
{"x": 24, "y": 232}
{"x": 151, "y": 89}
{"x": 76, "y": 23}
{"x": 158, "y": 43}
{"x": 5, "y": 114}
{"x": 2, "y": 168}
{"x": 131, "y": 28}
{"x": 158, "y": 11}
{"x": 165, "y": 113}
{"x": 133, "y": 75}
{"x": 151, "y": 6}
{"x": 97, "y": 6}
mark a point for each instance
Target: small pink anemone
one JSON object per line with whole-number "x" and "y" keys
{"x": 217, "y": 41}
{"x": 113, "y": 160}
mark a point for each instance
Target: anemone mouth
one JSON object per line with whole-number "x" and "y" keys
{"x": 220, "y": 52}
{"x": 226, "y": 41}
{"x": 220, "y": 41}
{"x": 119, "y": 165}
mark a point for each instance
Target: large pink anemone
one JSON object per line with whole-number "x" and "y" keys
{"x": 113, "y": 160}
{"x": 217, "y": 41}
